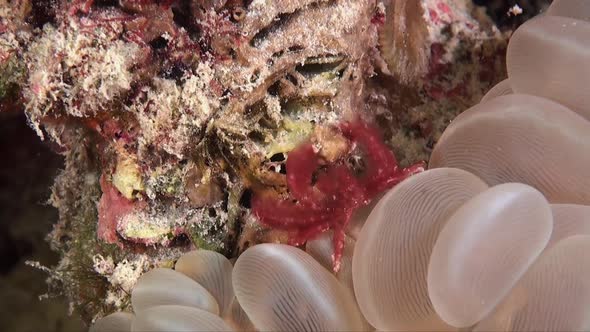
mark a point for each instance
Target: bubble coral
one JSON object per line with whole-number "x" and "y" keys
{"x": 292, "y": 280}
{"x": 493, "y": 261}
{"x": 501, "y": 139}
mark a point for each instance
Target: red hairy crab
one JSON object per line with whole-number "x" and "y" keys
{"x": 323, "y": 197}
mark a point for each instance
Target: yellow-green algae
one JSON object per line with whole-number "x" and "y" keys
{"x": 127, "y": 178}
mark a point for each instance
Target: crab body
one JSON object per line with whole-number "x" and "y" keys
{"x": 323, "y": 197}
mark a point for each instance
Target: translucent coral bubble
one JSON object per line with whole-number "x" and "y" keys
{"x": 359, "y": 217}
{"x": 212, "y": 271}
{"x": 485, "y": 247}
{"x": 391, "y": 255}
{"x": 282, "y": 288}
{"x": 579, "y": 9}
{"x": 237, "y": 317}
{"x": 560, "y": 64}
{"x": 525, "y": 139}
{"x": 501, "y": 89}
{"x": 177, "y": 318}
{"x": 117, "y": 322}
{"x": 322, "y": 248}
{"x": 554, "y": 294}
{"x": 168, "y": 287}
{"x": 569, "y": 220}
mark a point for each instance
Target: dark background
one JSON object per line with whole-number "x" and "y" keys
{"x": 27, "y": 169}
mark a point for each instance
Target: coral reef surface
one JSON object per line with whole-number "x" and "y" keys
{"x": 177, "y": 118}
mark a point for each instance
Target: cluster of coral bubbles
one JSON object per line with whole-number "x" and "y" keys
{"x": 494, "y": 236}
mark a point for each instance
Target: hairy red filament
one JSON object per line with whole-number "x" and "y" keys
{"x": 313, "y": 208}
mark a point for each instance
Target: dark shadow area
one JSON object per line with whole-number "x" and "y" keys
{"x": 27, "y": 170}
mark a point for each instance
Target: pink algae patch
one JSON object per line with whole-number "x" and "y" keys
{"x": 111, "y": 208}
